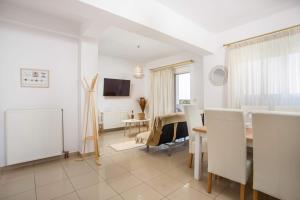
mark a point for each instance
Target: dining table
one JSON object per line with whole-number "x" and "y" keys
{"x": 201, "y": 132}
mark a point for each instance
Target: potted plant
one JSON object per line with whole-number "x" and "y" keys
{"x": 142, "y": 102}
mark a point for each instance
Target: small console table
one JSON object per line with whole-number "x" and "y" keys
{"x": 128, "y": 123}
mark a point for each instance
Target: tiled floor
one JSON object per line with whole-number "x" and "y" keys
{"x": 130, "y": 175}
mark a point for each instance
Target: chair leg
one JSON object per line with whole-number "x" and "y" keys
{"x": 242, "y": 192}
{"x": 255, "y": 195}
{"x": 190, "y": 162}
{"x": 209, "y": 182}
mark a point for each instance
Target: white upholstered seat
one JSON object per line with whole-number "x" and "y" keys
{"x": 193, "y": 119}
{"x": 227, "y": 146}
{"x": 276, "y": 154}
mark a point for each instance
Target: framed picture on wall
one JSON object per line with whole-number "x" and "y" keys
{"x": 37, "y": 78}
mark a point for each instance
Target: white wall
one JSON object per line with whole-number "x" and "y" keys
{"x": 196, "y": 70}
{"x": 69, "y": 60}
{"x": 88, "y": 58}
{"x": 113, "y": 67}
{"x": 22, "y": 47}
{"x": 215, "y": 96}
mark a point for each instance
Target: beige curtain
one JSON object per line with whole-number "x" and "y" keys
{"x": 162, "y": 93}
{"x": 265, "y": 71}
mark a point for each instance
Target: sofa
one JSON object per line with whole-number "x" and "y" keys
{"x": 166, "y": 129}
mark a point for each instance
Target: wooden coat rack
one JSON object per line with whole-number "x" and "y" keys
{"x": 90, "y": 116}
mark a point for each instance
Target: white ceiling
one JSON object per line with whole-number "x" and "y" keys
{"x": 220, "y": 15}
{"x": 123, "y": 44}
{"x": 112, "y": 41}
{"x": 83, "y": 20}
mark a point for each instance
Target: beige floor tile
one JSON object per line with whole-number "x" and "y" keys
{"x": 44, "y": 177}
{"x": 72, "y": 196}
{"x": 111, "y": 171}
{"x": 135, "y": 174}
{"x": 141, "y": 192}
{"x": 120, "y": 156}
{"x": 123, "y": 182}
{"x": 103, "y": 160}
{"x": 163, "y": 164}
{"x": 188, "y": 193}
{"x": 179, "y": 155}
{"x": 85, "y": 180}
{"x": 183, "y": 174}
{"x": 17, "y": 186}
{"x": 16, "y": 174}
{"x": 29, "y": 195}
{"x": 108, "y": 151}
{"x": 54, "y": 190}
{"x": 232, "y": 192}
{"x": 218, "y": 186}
{"x": 152, "y": 162}
{"x": 164, "y": 184}
{"x": 131, "y": 164}
{"x": 116, "y": 198}
{"x": 51, "y": 165}
{"x": 181, "y": 163}
{"x": 75, "y": 168}
{"x": 101, "y": 191}
{"x": 139, "y": 152}
{"x": 146, "y": 173}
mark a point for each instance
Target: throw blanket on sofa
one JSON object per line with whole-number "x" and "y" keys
{"x": 152, "y": 137}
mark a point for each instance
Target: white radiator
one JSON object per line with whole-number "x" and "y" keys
{"x": 114, "y": 119}
{"x": 33, "y": 134}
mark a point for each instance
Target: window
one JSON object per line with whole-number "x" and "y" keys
{"x": 183, "y": 90}
{"x": 265, "y": 72}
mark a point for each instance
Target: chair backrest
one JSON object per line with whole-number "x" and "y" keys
{"x": 193, "y": 117}
{"x": 248, "y": 110}
{"x": 287, "y": 108}
{"x": 276, "y": 154}
{"x": 226, "y": 142}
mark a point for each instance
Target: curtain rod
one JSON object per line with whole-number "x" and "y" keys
{"x": 186, "y": 62}
{"x": 262, "y": 35}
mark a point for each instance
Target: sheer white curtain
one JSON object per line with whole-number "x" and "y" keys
{"x": 162, "y": 92}
{"x": 265, "y": 71}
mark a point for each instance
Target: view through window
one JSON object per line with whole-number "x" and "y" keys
{"x": 183, "y": 90}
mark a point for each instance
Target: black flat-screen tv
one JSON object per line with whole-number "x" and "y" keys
{"x": 116, "y": 87}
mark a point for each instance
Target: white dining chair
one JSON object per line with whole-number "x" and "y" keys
{"x": 227, "y": 147}
{"x": 193, "y": 119}
{"x": 276, "y": 154}
{"x": 248, "y": 110}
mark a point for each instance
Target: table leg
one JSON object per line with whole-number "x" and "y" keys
{"x": 125, "y": 128}
{"x": 198, "y": 157}
{"x": 139, "y": 127}
{"x": 129, "y": 129}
